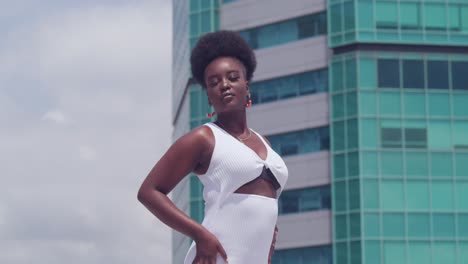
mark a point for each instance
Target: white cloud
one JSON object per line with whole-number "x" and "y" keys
{"x": 103, "y": 69}
{"x": 56, "y": 116}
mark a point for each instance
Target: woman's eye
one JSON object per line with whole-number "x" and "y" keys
{"x": 233, "y": 78}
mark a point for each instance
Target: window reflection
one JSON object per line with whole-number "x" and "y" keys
{"x": 388, "y": 73}
{"x": 294, "y": 85}
{"x": 300, "y": 142}
{"x": 415, "y": 72}
{"x": 304, "y": 200}
{"x": 286, "y": 31}
{"x": 412, "y": 135}
{"x": 437, "y": 75}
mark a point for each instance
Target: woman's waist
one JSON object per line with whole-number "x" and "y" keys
{"x": 239, "y": 207}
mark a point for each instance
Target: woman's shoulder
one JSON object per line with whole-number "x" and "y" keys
{"x": 202, "y": 132}
{"x": 201, "y": 135}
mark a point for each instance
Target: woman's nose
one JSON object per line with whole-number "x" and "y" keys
{"x": 225, "y": 83}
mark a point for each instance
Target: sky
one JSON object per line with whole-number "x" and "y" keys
{"x": 85, "y": 113}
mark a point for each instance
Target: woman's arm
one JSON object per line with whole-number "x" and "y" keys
{"x": 180, "y": 159}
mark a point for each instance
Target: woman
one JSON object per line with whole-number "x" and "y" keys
{"x": 242, "y": 176}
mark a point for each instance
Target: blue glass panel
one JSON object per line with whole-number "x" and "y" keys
{"x": 303, "y": 200}
{"x": 437, "y": 73}
{"x": 459, "y": 76}
{"x": 388, "y": 73}
{"x": 289, "y": 86}
{"x": 299, "y": 142}
{"x": 286, "y": 31}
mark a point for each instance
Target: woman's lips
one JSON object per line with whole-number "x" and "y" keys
{"x": 225, "y": 96}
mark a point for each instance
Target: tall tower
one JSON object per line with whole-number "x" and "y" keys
{"x": 399, "y": 131}
{"x": 378, "y": 161}
{"x": 290, "y": 107}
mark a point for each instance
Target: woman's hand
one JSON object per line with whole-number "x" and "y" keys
{"x": 272, "y": 247}
{"x": 208, "y": 247}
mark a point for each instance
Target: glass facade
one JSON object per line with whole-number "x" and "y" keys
{"x": 180, "y": 53}
{"x": 399, "y": 149}
{"x": 286, "y": 31}
{"x": 300, "y": 142}
{"x": 204, "y": 18}
{"x": 180, "y": 118}
{"x": 290, "y": 86}
{"x": 306, "y": 255}
{"x": 305, "y": 200}
{"x": 433, "y": 22}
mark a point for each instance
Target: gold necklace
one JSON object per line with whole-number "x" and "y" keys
{"x": 238, "y": 138}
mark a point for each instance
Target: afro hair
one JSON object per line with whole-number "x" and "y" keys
{"x": 221, "y": 44}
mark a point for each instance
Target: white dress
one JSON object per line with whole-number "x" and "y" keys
{"x": 243, "y": 223}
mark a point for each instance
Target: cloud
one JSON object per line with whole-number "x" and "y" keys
{"x": 100, "y": 70}
{"x": 56, "y": 116}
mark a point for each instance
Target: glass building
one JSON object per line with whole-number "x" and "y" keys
{"x": 367, "y": 102}
{"x": 399, "y": 126}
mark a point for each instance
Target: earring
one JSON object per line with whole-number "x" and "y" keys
{"x": 210, "y": 115}
{"x": 249, "y": 102}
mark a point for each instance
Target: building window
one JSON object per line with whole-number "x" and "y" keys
{"x": 391, "y": 138}
{"x": 410, "y": 16}
{"x": 420, "y": 74}
{"x": 286, "y": 31}
{"x": 437, "y": 75}
{"x": 289, "y": 86}
{"x": 413, "y": 135}
{"x": 459, "y": 75}
{"x": 388, "y": 73}
{"x": 304, "y": 200}
{"x": 306, "y": 255}
{"x": 413, "y": 74}
{"x": 387, "y": 15}
{"x": 300, "y": 142}
{"x": 411, "y": 22}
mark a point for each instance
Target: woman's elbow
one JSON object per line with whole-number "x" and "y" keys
{"x": 146, "y": 193}
{"x": 142, "y": 194}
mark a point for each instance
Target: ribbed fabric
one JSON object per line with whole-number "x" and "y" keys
{"x": 243, "y": 223}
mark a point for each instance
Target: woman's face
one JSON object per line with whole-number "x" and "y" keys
{"x": 226, "y": 85}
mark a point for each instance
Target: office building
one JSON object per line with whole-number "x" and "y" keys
{"x": 367, "y": 102}
{"x": 399, "y": 126}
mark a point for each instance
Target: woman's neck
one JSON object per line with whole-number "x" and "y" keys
{"x": 235, "y": 123}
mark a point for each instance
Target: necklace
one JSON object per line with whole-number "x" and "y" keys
{"x": 238, "y": 138}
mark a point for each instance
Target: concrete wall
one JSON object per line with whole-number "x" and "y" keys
{"x": 289, "y": 115}
{"x": 245, "y": 14}
{"x": 304, "y": 230}
{"x": 308, "y": 170}
{"x": 294, "y": 57}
